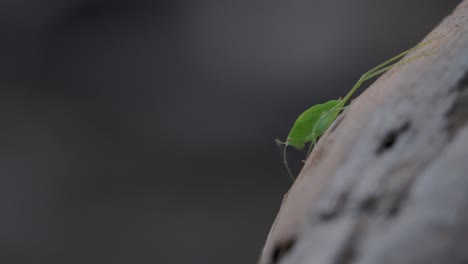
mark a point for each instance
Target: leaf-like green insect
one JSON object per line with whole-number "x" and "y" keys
{"x": 313, "y": 122}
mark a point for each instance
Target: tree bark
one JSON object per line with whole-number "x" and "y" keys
{"x": 388, "y": 182}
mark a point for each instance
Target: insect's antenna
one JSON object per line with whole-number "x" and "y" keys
{"x": 285, "y": 161}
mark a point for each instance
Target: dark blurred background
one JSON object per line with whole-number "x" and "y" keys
{"x": 142, "y": 131}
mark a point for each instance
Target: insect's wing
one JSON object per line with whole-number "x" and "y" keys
{"x": 303, "y": 129}
{"x": 330, "y": 111}
{"x": 303, "y": 126}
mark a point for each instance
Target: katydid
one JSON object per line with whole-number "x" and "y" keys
{"x": 313, "y": 122}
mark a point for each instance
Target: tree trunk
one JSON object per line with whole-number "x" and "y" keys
{"x": 388, "y": 182}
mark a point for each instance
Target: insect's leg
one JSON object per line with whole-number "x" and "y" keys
{"x": 387, "y": 62}
{"x": 279, "y": 143}
{"x": 286, "y": 163}
{"x": 342, "y": 108}
{"x": 338, "y": 109}
{"x": 379, "y": 70}
{"x": 351, "y": 92}
{"x": 312, "y": 144}
{"x": 394, "y": 65}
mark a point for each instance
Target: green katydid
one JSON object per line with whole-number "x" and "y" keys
{"x": 313, "y": 122}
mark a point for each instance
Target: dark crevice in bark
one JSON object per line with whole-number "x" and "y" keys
{"x": 458, "y": 115}
{"x": 399, "y": 200}
{"x": 330, "y": 214}
{"x": 281, "y": 250}
{"x": 391, "y": 138}
{"x": 349, "y": 251}
{"x": 370, "y": 204}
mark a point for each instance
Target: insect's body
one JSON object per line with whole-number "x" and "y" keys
{"x": 313, "y": 122}
{"x": 320, "y": 116}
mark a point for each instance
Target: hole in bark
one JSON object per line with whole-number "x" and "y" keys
{"x": 281, "y": 250}
{"x": 391, "y": 138}
{"x": 396, "y": 206}
{"x": 399, "y": 201}
{"x": 394, "y": 210}
{"x": 369, "y": 204}
{"x": 348, "y": 252}
{"x": 328, "y": 215}
{"x": 347, "y": 255}
{"x": 332, "y": 213}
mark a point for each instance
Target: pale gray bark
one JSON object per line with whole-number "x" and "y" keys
{"x": 388, "y": 183}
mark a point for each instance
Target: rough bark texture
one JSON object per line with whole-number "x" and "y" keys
{"x": 388, "y": 182}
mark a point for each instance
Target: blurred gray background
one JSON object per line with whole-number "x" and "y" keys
{"x": 142, "y": 131}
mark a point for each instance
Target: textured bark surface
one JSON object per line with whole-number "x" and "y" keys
{"x": 388, "y": 182}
